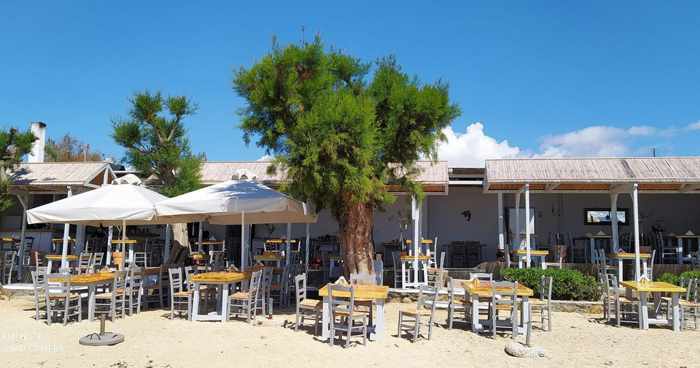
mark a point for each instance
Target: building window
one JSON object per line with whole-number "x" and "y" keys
{"x": 601, "y": 216}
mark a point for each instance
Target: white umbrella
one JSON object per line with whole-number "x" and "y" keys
{"x": 123, "y": 205}
{"x": 234, "y": 202}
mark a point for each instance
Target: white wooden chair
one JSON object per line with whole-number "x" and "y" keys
{"x": 411, "y": 319}
{"x": 96, "y": 261}
{"x": 113, "y": 303}
{"x": 180, "y": 299}
{"x": 264, "y": 296}
{"x": 344, "y": 316}
{"x": 84, "y": 261}
{"x": 305, "y": 307}
{"x": 690, "y": 306}
{"x": 509, "y": 303}
{"x": 457, "y": 304}
{"x": 61, "y": 301}
{"x": 8, "y": 266}
{"x": 396, "y": 258}
{"x": 39, "y": 284}
{"x": 245, "y": 302}
{"x": 543, "y": 305}
{"x": 134, "y": 289}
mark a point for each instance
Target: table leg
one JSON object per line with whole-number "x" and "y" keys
{"x": 679, "y": 250}
{"x": 526, "y": 312}
{"x": 194, "y": 315}
{"x": 644, "y": 267}
{"x": 224, "y": 302}
{"x": 643, "y": 310}
{"x": 476, "y": 324}
{"x": 676, "y": 315}
{"x": 379, "y": 321}
{"x": 520, "y": 261}
{"x": 425, "y": 271}
{"x": 403, "y": 274}
{"x": 620, "y": 269}
{"x": 49, "y": 265}
{"x": 542, "y": 263}
{"x": 325, "y": 321}
{"x": 91, "y": 302}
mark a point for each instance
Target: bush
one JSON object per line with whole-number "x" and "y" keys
{"x": 566, "y": 284}
{"x": 676, "y": 279}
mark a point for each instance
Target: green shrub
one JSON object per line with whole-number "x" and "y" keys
{"x": 676, "y": 279}
{"x": 566, "y": 284}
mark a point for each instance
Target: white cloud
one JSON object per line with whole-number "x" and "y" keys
{"x": 591, "y": 141}
{"x": 471, "y": 148}
{"x": 265, "y": 158}
{"x": 693, "y": 126}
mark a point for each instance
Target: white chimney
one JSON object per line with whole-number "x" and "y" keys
{"x": 37, "y": 153}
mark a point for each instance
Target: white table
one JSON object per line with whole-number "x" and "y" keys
{"x": 477, "y": 293}
{"x": 377, "y": 294}
{"x": 221, "y": 280}
{"x": 645, "y": 288}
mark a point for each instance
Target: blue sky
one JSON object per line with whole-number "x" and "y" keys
{"x": 590, "y": 78}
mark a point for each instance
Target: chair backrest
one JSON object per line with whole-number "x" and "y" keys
{"x": 84, "y": 261}
{"x": 546, "y": 288}
{"x": 442, "y": 260}
{"x": 344, "y": 304}
{"x": 120, "y": 282}
{"x": 694, "y": 291}
{"x": 300, "y": 293}
{"x": 140, "y": 259}
{"x": 39, "y": 280}
{"x": 175, "y": 278}
{"x": 135, "y": 278}
{"x": 500, "y": 297}
{"x": 427, "y": 297}
{"x": 481, "y": 276}
{"x": 254, "y": 285}
{"x": 97, "y": 258}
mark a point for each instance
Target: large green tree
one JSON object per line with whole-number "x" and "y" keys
{"x": 13, "y": 146}
{"x": 340, "y": 138}
{"x": 156, "y": 143}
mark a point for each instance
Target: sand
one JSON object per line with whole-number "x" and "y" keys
{"x": 152, "y": 340}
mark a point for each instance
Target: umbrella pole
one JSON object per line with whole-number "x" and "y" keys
{"x": 124, "y": 245}
{"x": 200, "y": 237}
{"x": 243, "y": 241}
{"x": 66, "y": 231}
{"x": 289, "y": 245}
{"x": 110, "y": 235}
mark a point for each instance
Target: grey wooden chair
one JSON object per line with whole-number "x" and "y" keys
{"x": 245, "y": 302}
{"x": 84, "y": 262}
{"x": 61, "y": 301}
{"x": 134, "y": 289}
{"x": 690, "y": 305}
{"x": 96, "y": 261}
{"x": 457, "y": 305}
{"x": 509, "y": 303}
{"x": 113, "y": 303}
{"x": 305, "y": 307}
{"x": 411, "y": 319}
{"x": 396, "y": 258}
{"x": 39, "y": 284}
{"x": 8, "y": 266}
{"x": 264, "y": 296}
{"x": 543, "y": 305}
{"x": 345, "y": 319}
{"x": 156, "y": 292}
{"x": 180, "y": 299}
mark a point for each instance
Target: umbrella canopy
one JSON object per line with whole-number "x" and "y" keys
{"x": 234, "y": 202}
{"x": 108, "y": 205}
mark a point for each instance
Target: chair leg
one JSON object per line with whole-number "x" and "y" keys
{"x": 66, "y": 304}
{"x": 416, "y": 329}
{"x": 449, "y": 317}
{"x": 398, "y": 333}
{"x": 296, "y": 325}
{"x": 549, "y": 319}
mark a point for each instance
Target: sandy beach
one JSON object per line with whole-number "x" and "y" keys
{"x": 152, "y": 340}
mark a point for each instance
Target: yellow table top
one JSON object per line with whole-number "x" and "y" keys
{"x": 424, "y": 241}
{"x": 533, "y": 252}
{"x": 58, "y": 257}
{"x": 279, "y": 241}
{"x": 125, "y": 241}
{"x": 85, "y": 279}
{"x": 60, "y": 240}
{"x": 414, "y": 258}
{"x": 362, "y": 292}
{"x": 268, "y": 257}
{"x": 483, "y": 289}
{"x": 625, "y": 255}
{"x": 211, "y": 242}
{"x": 220, "y": 277}
{"x": 653, "y": 286}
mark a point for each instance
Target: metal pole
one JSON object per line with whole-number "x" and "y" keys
{"x": 123, "y": 246}
{"x": 168, "y": 240}
{"x": 416, "y": 236}
{"x": 635, "y": 206}
{"x": 66, "y": 231}
{"x": 200, "y": 237}
{"x": 289, "y": 245}
{"x": 110, "y": 234}
{"x": 614, "y": 222}
{"x": 22, "y": 234}
{"x": 517, "y": 221}
{"x": 527, "y": 223}
{"x": 501, "y": 238}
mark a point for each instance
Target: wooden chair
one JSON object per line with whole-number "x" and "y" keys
{"x": 344, "y": 316}
{"x": 412, "y": 318}
{"x": 156, "y": 292}
{"x": 305, "y": 307}
{"x": 140, "y": 259}
{"x": 456, "y": 304}
{"x": 264, "y": 296}
{"x": 39, "y": 284}
{"x": 61, "y": 301}
{"x": 180, "y": 299}
{"x": 113, "y": 303}
{"x": 84, "y": 261}
{"x": 626, "y": 310}
{"x": 96, "y": 261}
{"x": 559, "y": 253}
{"x": 690, "y": 306}
{"x": 507, "y": 302}
{"x": 8, "y": 266}
{"x": 543, "y": 305}
{"x": 245, "y": 302}
{"x": 396, "y": 258}
{"x": 134, "y": 289}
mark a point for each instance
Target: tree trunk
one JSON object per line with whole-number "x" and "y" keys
{"x": 356, "y": 240}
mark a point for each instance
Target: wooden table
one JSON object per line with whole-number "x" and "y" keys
{"x": 127, "y": 242}
{"x": 522, "y": 256}
{"x": 222, "y": 281}
{"x": 621, "y": 257}
{"x": 363, "y": 293}
{"x": 480, "y": 294}
{"x": 417, "y": 262}
{"x": 91, "y": 280}
{"x": 50, "y": 258}
{"x": 271, "y": 257}
{"x": 656, "y": 288}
